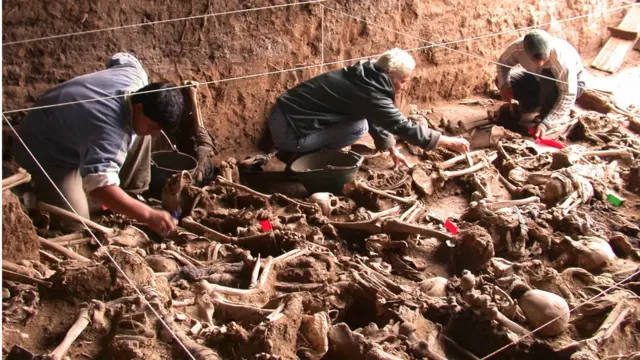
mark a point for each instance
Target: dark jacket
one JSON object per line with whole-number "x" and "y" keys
{"x": 359, "y": 91}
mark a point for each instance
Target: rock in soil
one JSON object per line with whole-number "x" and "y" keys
{"x": 19, "y": 237}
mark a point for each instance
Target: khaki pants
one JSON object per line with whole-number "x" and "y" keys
{"x": 135, "y": 176}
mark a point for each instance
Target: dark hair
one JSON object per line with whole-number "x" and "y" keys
{"x": 537, "y": 44}
{"x": 163, "y": 107}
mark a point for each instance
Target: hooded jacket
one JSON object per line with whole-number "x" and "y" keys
{"x": 359, "y": 91}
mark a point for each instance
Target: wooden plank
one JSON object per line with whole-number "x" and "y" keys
{"x": 612, "y": 54}
{"x": 631, "y": 21}
{"x": 623, "y": 34}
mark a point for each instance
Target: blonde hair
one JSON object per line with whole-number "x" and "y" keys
{"x": 396, "y": 61}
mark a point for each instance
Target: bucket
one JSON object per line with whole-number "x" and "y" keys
{"x": 166, "y": 163}
{"x": 326, "y": 171}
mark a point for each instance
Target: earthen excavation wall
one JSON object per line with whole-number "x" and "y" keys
{"x": 227, "y": 46}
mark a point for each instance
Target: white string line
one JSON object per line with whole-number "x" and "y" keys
{"x": 540, "y": 25}
{"x": 199, "y": 84}
{"x": 560, "y": 316}
{"x": 292, "y": 69}
{"x": 159, "y": 22}
{"x": 448, "y": 48}
{"x": 98, "y": 241}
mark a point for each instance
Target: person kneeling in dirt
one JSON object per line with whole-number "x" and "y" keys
{"x": 334, "y": 109}
{"x": 100, "y": 147}
{"x": 552, "y": 80}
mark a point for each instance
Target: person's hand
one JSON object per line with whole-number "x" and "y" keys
{"x": 399, "y": 158}
{"x": 506, "y": 93}
{"x": 458, "y": 144}
{"x": 161, "y": 222}
{"x": 540, "y": 130}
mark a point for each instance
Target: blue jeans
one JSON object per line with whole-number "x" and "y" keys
{"x": 333, "y": 137}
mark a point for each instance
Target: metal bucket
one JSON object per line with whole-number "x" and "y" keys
{"x": 166, "y": 163}
{"x": 326, "y": 171}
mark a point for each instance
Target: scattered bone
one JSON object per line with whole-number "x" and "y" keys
{"x": 436, "y": 286}
{"x": 503, "y": 204}
{"x": 232, "y": 289}
{"x": 266, "y": 197}
{"x": 131, "y": 236}
{"x": 428, "y": 183}
{"x": 76, "y": 329}
{"x": 14, "y": 276}
{"x": 20, "y": 177}
{"x": 314, "y": 330}
{"x": 62, "y": 250}
{"x": 362, "y": 185}
{"x": 455, "y": 160}
{"x": 20, "y": 269}
{"x": 327, "y": 202}
{"x": 568, "y": 157}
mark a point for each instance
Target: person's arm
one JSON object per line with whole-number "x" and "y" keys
{"x": 382, "y": 139}
{"x": 100, "y": 178}
{"x": 120, "y": 202}
{"x": 508, "y": 58}
{"x": 567, "y": 93}
{"x": 382, "y": 114}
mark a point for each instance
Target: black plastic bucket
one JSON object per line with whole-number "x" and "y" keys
{"x": 166, "y": 163}
{"x": 326, "y": 171}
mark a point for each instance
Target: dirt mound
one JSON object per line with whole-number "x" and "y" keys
{"x": 19, "y": 237}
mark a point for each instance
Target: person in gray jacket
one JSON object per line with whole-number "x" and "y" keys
{"x": 101, "y": 147}
{"x": 334, "y": 109}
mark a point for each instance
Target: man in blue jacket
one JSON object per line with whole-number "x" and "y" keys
{"x": 334, "y": 109}
{"x": 100, "y": 148}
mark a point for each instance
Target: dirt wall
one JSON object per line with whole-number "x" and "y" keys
{"x": 227, "y": 46}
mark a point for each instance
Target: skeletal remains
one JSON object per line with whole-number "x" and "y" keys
{"x": 342, "y": 277}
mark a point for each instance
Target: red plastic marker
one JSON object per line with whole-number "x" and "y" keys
{"x": 546, "y": 142}
{"x": 266, "y": 225}
{"x": 451, "y": 227}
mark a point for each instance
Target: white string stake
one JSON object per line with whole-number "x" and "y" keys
{"x": 159, "y": 22}
{"x": 98, "y": 241}
{"x": 306, "y": 66}
{"x": 560, "y": 316}
{"x": 322, "y": 41}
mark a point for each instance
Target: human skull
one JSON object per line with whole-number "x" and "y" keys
{"x": 327, "y": 202}
{"x": 541, "y": 307}
{"x": 593, "y": 253}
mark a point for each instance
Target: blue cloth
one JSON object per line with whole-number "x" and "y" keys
{"x": 333, "y": 137}
{"x": 92, "y": 136}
